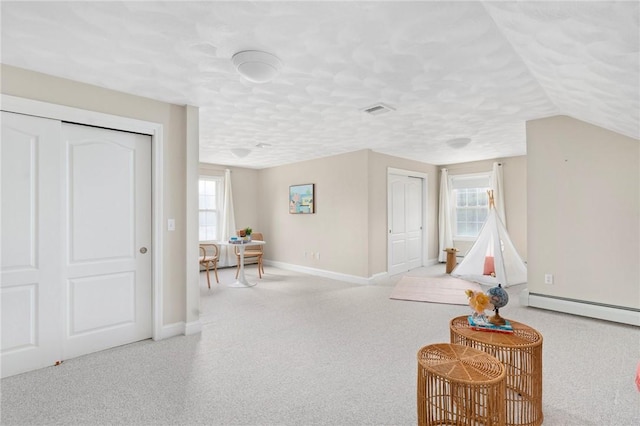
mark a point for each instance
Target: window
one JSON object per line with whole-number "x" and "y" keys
{"x": 470, "y": 204}
{"x": 210, "y": 200}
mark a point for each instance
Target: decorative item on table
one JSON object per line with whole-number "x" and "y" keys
{"x": 499, "y": 299}
{"x": 235, "y": 240}
{"x": 479, "y": 302}
{"x": 483, "y": 324}
{"x": 245, "y": 234}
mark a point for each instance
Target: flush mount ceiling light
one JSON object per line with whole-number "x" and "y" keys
{"x": 458, "y": 143}
{"x": 240, "y": 152}
{"x": 256, "y": 66}
{"x": 263, "y": 145}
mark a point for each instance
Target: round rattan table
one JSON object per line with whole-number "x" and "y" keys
{"x": 521, "y": 353}
{"x": 459, "y": 385}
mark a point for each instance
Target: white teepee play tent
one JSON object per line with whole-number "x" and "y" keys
{"x": 493, "y": 259}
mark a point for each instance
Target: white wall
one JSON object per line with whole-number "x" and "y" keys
{"x": 339, "y": 228}
{"x": 584, "y": 212}
{"x": 349, "y": 228}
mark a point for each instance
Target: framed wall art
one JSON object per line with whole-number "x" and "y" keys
{"x": 301, "y": 199}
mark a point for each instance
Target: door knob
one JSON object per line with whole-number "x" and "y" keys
{"x": 143, "y": 250}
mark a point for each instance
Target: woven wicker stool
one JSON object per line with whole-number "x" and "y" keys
{"x": 521, "y": 353}
{"x": 459, "y": 385}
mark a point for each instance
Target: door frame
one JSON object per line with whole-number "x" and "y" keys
{"x": 155, "y": 130}
{"x": 425, "y": 204}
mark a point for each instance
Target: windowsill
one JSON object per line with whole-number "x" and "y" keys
{"x": 464, "y": 239}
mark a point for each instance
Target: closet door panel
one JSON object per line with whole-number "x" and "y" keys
{"x": 107, "y": 266}
{"x": 405, "y": 211}
{"x": 30, "y": 257}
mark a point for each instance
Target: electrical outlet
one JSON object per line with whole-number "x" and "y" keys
{"x": 318, "y": 255}
{"x": 548, "y": 278}
{"x": 171, "y": 225}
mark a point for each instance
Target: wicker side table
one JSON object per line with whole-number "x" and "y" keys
{"x": 521, "y": 353}
{"x": 459, "y": 385}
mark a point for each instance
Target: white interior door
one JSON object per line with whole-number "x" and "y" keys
{"x": 107, "y": 239}
{"x": 76, "y": 238}
{"x": 30, "y": 262}
{"x": 405, "y": 223}
{"x": 414, "y": 215}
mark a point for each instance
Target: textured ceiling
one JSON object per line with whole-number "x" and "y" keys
{"x": 450, "y": 69}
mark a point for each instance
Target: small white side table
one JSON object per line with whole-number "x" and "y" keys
{"x": 241, "y": 282}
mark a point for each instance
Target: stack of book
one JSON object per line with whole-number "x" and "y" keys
{"x": 484, "y": 325}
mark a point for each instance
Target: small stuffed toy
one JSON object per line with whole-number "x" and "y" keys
{"x": 478, "y": 301}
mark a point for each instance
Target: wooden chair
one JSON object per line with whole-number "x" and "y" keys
{"x": 209, "y": 259}
{"x": 250, "y": 252}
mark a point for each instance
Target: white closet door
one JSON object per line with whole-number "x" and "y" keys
{"x": 405, "y": 223}
{"x": 76, "y": 233}
{"x": 107, "y": 239}
{"x": 413, "y": 214}
{"x": 30, "y": 284}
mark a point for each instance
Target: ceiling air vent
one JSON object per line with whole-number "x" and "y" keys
{"x": 378, "y": 109}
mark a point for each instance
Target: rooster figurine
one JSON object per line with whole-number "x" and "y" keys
{"x": 478, "y": 301}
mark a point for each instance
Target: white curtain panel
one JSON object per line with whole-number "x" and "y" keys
{"x": 227, "y": 254}
{"x": 498, "y": 191}
{"x": 445, "y": 235}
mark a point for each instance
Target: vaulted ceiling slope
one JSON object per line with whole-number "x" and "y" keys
{"x": 474, "y": 69}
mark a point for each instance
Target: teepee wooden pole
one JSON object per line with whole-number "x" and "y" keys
{"x": 492, "y": 203}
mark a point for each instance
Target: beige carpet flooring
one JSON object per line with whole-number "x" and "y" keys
{"x": 303, "y": 350}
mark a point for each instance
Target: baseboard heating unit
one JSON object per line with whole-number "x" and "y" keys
{"x": 619, "y": 314}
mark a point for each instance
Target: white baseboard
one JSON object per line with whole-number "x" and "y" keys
{"x": 336, "y": 275}
{"x": 431, "y": 262}
{"x": 171, "y": 330}
{"x": 582, "y": 308}
{"x": 324, "y": 273}
{"x": 193, "y": 327}
{"x": 180, "y": 329}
